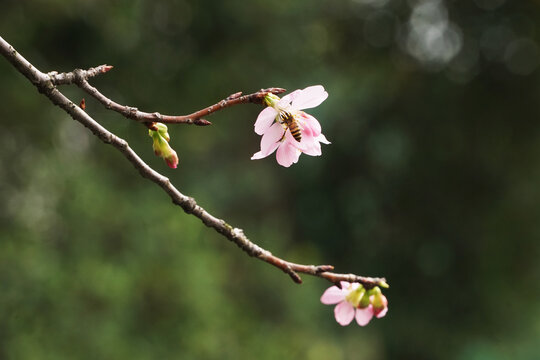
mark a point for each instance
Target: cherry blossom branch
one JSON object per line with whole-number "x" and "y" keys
{"x": 46, "y": 84}
{"x": 80, "y": 78}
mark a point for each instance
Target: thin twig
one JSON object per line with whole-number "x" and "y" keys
{"x": 80, "y": 78}
{"x": 68, "y": 78}
{"x": 45, "y": 85}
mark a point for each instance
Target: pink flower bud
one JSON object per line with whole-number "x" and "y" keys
{"x": 172, "y": 160}
{"x": 379, "y": 302}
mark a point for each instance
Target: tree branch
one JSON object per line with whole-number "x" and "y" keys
{"x": 72, "y": 77}
{"x": 46, "y": 84}
{"x": 80, "y": 78}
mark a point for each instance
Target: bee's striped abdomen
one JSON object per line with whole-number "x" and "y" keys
{"x": 295, "y": 131}
{"x": 292, "y": 124}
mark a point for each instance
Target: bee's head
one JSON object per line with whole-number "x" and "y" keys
{"x": 285, "y": 116}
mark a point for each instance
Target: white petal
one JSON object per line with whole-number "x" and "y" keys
{"x": 258, "y": 155}
{"x": 309, "y": 97}
{"x": 322, "y": 138}
{"x": 333, "y": 295}
{"x": 265, "y": 120}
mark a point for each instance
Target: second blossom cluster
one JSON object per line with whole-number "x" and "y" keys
{"x": 354, "y": 301}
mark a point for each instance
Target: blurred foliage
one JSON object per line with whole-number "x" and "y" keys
{"x": 432, "y": 180}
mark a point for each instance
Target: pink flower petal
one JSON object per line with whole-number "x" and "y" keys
{"x": 333, "y": 295}
{"x": 382, "y": 313}
{"x": 287, "y": 154}
{"x": 312, "y": 147}
{"x": 309, "y": 97}
{"x": 297, "y": 144}
{"x": 354, "y": 286}
{"x": 345, "y": 285}
{"x": 285, "y": 101}
{"x": 312, "y": 124}
{"x": 344, "y": 313}
{"x": 265, "y": 120}
{"x": 363, "y": 316}
{"x": 272, "y": 136}
{"x": 308, "y": 145}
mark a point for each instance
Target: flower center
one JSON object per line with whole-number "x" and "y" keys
{"x": 271, "y": 100}
{"x": 355, "y": 296}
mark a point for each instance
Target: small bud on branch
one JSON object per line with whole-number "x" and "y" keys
{"x": 160, "y": 143}
{"x": 106, "y": 68}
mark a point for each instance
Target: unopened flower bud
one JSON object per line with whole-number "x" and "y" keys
{"x": 160, "y": 144}
{"x": 106, "y": 68}
{"x": 379, "y": 302}
{"x": 162, "y": 130}
{"x": 172, "y": 159}
{"x": 364, "y": 302}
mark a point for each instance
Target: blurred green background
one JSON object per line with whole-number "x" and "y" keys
{"x": 432, "y": 180}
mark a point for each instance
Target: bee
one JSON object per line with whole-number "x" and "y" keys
{"x": 288, "y": 119}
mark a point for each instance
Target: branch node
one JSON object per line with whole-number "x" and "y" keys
{"x": 294, "y": 276}
{"x": 122, "y": 143}
{"x": 79, "y": 76}
{"x": 323, "y": 268}
{"x": 189, "y": 205}
{"x": 234, "y": 96}
{"x": 202, "y": 122}
{"x": 151, "y": 125}
{"x": 166, "y": 182}
{"x": 238, "y": 233}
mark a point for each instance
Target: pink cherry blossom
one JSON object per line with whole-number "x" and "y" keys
{"x": 277, "y": 136}
{"x": 353, "y": 303}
